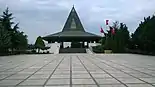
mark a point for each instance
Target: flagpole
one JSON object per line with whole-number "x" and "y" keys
{"x": 107, "y": 27}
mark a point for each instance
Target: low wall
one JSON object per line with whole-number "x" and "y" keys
{"x": 72, "y": 50}
{"x": 54, "y": 48}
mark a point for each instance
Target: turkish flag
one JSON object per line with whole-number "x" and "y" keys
{"x": 107, "y": 22}
{"x": 112, "y": 30}
{"x": 102, "y": 31}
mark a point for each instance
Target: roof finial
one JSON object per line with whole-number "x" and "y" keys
{"x": 73, "y": 5}
{"x": 73, "y": 9}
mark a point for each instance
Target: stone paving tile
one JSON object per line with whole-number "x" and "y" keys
{"x": 130, "y": 80}
{"x": 2, "y": 76}
{"x": 81, "y": 76}
{"x": 149, "y": 80}
{"x": 23, "y": 72}
{"x": 18, "y": 76}
{"x": 62, "y": 72}
{"x": 9, "y": 82}
{"x": 44, "y": 72}
{"x": 58, "y": 82}
{"x": 77, "y": 70}
{"x": 83, "y": 81}
{"x": 84, "y": 86}
{"x": 60, "y": 76}
{"x": 121, "y": 75}
{"x": 140, "y": 75}
{"x": 97, "y": 72}
{"x": 59, "y": 86}
{"x": 103, "y": 76}
{"x": 31, "y": 70}
{"x": 29, "y": 86}
{"x": 139, "y": 85}
{"x": 8, "y": 72}
{"x": 33, "y": 82}
{"x": 107, "y": 81}
{"x": 131, "y": 71}
{"x": 39, "y": 76}
{"x": 113, "y": 85}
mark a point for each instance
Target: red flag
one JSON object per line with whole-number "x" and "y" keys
{"x": 102, "y": 31}
{"x": 107, "y": 22}
{"x": 112, "y": 30}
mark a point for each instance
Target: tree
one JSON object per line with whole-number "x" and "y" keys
{"x": 39, "y": 44}
{"x": 5, "y": 39}
{"x": 6, "y": 20}
{"x": 143, "y": 38}
{"x": 17, "y": 40}
{"x": 102, "y": 41}
{"x": 117, "y": 42}
{"x": 122, "y": 38}
{"x": 45, "y": 48}
{"x": 21, "y": 42}
{"x": 5, "y": 34}
{"x": 110, "y": 38}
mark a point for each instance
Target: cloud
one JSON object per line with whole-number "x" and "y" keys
{"x": 43, "y": 17}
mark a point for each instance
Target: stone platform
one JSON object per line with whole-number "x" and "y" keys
{"x": 77, "y": 70}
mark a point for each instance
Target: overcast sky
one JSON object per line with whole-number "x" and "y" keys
{"x": 43, "y": 17}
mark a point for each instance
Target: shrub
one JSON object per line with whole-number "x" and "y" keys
{"x": 98, "y": 49}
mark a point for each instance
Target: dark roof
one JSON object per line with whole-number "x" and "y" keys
{"x": 73, "y": 15}
{"x": 72, "y": 28}
{"x": 73, "y": 34}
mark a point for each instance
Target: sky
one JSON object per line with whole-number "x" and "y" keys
{"x": 44, "y": 17}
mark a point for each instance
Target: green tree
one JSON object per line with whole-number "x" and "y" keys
{"x": 6, "y": 20}
{"x": 5, "y": 40}
{"x": 39, "y": 44}
{"x": 102, "y": 41}
{"x": 143, "y": 38}
{"x": 21, "y": 42}
{"x": 119, "y": 41}
{"x": 7, "y": 24}
{"x": 17, "y": 39}
{"x": 110, "y": 42}
{"x": 122, "y": 38}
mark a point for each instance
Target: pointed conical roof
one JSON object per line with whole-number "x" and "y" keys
{"x": 73, "y": 22}
{"x": 73, "y": 28}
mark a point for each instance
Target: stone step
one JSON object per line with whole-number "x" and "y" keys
{"x": 72, "y": 50}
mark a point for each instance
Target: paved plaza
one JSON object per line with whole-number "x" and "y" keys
{"x": 77, "y": 70}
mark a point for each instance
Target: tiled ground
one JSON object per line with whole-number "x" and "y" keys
{"x": 77, "y": 70}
